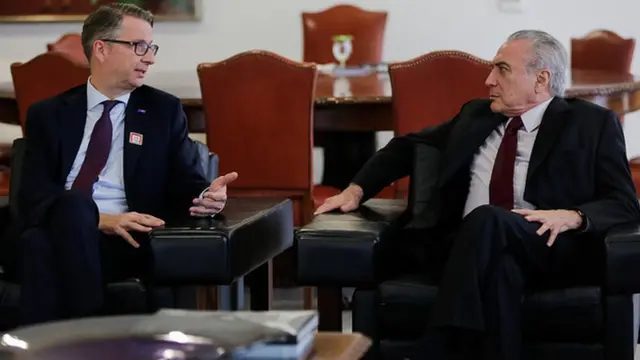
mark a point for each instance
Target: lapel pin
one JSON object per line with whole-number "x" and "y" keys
{"x": 141, "y": 111}
{"x": 135, "y": 138}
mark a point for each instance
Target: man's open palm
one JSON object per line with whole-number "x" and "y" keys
{"x": 215, "y": 198}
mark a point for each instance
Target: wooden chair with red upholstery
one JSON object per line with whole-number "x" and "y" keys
{"x": 430, "y": 89}
{"x": 602, "y": 50}
{"x": 42, "y": 77}
{"x": 366, "y": 27}
{"x": 71, "y": 46}
{"x": 605, "y": 50}
{"x": 259, "y": 120}
{"x": 343, "y": 152}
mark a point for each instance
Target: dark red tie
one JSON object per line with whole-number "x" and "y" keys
{"x": 501, "y": 186}
{"x": 97, "y": 152}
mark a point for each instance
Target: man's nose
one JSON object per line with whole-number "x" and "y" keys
{"x": 490, "y": 81}
{"x": 149, "y": 58}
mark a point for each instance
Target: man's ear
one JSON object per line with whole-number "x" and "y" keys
{"x": 543, "y": 78}
{"x": 99, "y": 49}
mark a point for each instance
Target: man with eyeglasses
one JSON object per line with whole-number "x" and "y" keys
{"x": 105, "y": 163}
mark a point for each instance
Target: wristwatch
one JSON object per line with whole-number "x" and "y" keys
{"x": 585, "y": 220}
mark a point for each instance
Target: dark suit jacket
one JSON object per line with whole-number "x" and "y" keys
{"x": 161, "y": 176}
{"x": 578, "y": 162}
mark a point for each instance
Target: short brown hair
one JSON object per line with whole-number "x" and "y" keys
{"x": 105, "y": 22}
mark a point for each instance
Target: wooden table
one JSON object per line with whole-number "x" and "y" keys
{"x": 363, "y": 102}
{"x": 339, "y": 346}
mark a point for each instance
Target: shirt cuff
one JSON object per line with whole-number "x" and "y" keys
{"x": 201, "y": 197}
{"x": 202, "y": 193}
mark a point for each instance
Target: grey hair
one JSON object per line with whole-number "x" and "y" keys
{"x": 547, "y": 53}
{"x": 105, "y": 23}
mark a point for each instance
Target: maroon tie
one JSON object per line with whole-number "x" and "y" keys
{"x": 97, "y": 152}
{"x": 501, "y": 186}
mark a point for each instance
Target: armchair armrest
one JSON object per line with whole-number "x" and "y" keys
{"x": 218, "y": 251}
{"x": 340, "y": 249}
{"x": 622, "y": 251}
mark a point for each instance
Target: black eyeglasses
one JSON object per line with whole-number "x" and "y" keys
{"x": 139, "y": 47}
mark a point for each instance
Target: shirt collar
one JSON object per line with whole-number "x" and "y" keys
{"x": 533, "y": 117}
{"x": 95, "y": 97}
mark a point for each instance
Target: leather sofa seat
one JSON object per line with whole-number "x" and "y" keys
{"x": 562, "y": 315}
{"x": 572, "y": 321}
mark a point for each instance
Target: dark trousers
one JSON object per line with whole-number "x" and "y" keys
{"x": 488, "y": 264}
{"x": 66, "y": 261}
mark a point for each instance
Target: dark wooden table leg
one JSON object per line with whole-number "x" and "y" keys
{"x": 261, "y": 287}
{"x": 330, "y": 308}
{"x": 207, "y": 298}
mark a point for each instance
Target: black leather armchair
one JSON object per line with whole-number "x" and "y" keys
{"x": 127, "y": 297}
{"x": 597, "y": 321}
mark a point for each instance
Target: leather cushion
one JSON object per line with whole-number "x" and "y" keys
{"x": 126, "y": 297}
{"x": 346, "y": 241}
{"x": 9, "y": 300}
{"x": 217, "y": 251}
{"x": 622, "y": 254}
{"x": 552, "y": 315}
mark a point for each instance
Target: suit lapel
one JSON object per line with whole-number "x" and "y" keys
{"x": 134, "y": 124}
{"x": 465, "y": 141}
{"x": 72, "y": 121}
{"x": 552, "y": 123}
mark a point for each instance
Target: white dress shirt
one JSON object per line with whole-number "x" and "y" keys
{"x": 108, "y": 191}
{"x": 482, "y": 165}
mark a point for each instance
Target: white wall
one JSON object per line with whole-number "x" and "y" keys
{"x": 414, "y": 27}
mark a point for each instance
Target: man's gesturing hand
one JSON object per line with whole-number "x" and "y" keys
{"x": 215, "y": 198}
{"x": 347, "y": 200}
{"x": 555, "y": 221}
{"x": 121, "y": 224}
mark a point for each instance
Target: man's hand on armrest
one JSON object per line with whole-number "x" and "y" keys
{"x": 348, "y": 200}
{"x": 121, "y": 224}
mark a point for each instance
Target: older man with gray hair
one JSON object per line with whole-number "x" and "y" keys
{"x": 530, "y": 180}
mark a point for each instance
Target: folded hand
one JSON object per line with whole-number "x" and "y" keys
{"x": 555, "y": 221}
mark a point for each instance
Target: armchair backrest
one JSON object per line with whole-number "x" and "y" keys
{"x": 423, "y": 199}
{"x": 42, "y": 77}
{"x": 208, "y": 160}
{"x": 17, "y": 159}
{"x": 70, "y": 45}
